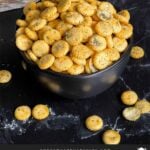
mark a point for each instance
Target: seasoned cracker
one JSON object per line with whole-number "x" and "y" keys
{"x": 40, "y": 112}
{"x": 143, "y": 106}
{"x": 63, "y": 5}
{"x": 126, "y": 31}
{"x": 22, "y": 113}
{"x": 51, "y": 36}
{"x": 86, "y": 9}
{"x": 137, "y": 52}
{"x": 97, "y": 43}
{"x": 74, "y": 18}
{"x": 94, "y": 123}
{"x": 31, "y": 34}
{"x": 40, "y": 48}
{"x": 63, "y": 63}
{"x": 76, "y": 69}
{"x": 46, "y": 61}
{"x": 23, "y": 42}
{"x": 101, "y": 60}
{"x": 103, "y": 28}
{"x": 120, "y": 44}
{"x": 131, "y": 113}
{"x": 5, "y": 76}
{"x": 129, "y": 97}
{"x": 60, "y": 48}
{"x": 74, "y": 36}
{"x": 111, "y": 137}
{"x": 37, "y": 24}
{"x": 21, "y": 23}
{"x": 81, "y": 51}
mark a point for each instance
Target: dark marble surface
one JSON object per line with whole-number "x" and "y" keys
{"x": 67, "y": 122}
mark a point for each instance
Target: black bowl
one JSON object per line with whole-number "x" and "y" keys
{"x": 80, "y": 86}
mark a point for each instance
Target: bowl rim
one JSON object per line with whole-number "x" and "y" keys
{"x": 125, "y": 53}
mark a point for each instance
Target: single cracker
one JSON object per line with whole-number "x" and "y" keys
{"x": 32, "y": 56}
{"x": 113, "y": 54}
{"x": 87, "y": 32}
{"x": 129, "y": 97}
{"x": 51, "y": 36}
{"x": 94, "y": 123}
{"x": 120, "y": 44}
{"x": 109, "y": 41}
{"x": 91, "y": 65}
{"x": 63, "y": 63}
{"x": 101, "y": 60}
{"x": 87, "y": 69}
{"x": 103, "y": 28}
{"x": 143, "y": 106}
{"x": 46, "y": 61}
{"x": 86, "y": 9}
{"x": 40, "y": 48}
{"x": 40, "y": 112}
{"x": 55, "y": 16}
{"x": 81, "y": 51}
{"x": 21, "y": 23}
{"x": 115, "y": 24}
{"x": 37, "y": 24}
{"x": 74, "y": 18}
{"x": 22, "y": 113}
{"x": 48, "y": 13}
{"x": 78, "y": 61}
{"x": 104, "y": 15}
{"x": 29, "y": 6}
{"x": 60, "y": 48}
{"x": 55, "y": 69}
{"x": 76, "y": 69}
{"x": 5, "y": 76}
{"x": 126, "y": 31}
{"x": 137, "y": 52}
{"x": 23, "y": 42}
{"x": 125, "y": 13}
{"x": 108, "y": 7}
{"x": 31, "y": 34}
{"x": 97, "y": 43}
{"x": 123, "y": 16}
{"x": 54, "y": 23}
{"x": 63, "y": 5}
{"x": 63, "y": 27}
{"x": 20, "y": 31}
{"x": 74, "y": 36}
{"x": 131, "y": 113}
{"x": 48, "y": 4}
{"x": 32, "y": 14}
{"x": 111, "y": 137}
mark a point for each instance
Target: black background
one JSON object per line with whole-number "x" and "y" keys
{"x": 67, "y": 125}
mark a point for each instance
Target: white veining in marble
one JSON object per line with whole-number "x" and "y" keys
{"x": 124, "y": 83}
{"x": 143, "y": 38}
{"x": 144, "y": 65}
{"x": 139, "y": 66}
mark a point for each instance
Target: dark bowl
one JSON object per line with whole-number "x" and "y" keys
{"x": 80, "y": 86}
